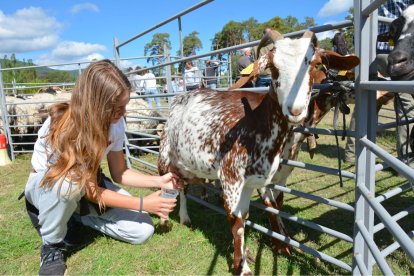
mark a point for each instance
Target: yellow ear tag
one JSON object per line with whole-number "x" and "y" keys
{"x": 247, "y": 70}
{"x": 342, "y": 73}
{"x": 391, "y": 42}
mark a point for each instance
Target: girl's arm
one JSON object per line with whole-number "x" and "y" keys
{"x": 133, "y": 178}
{"x": 152, "y": 203}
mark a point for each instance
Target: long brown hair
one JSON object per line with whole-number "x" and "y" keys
{"x": 79, "y": 131}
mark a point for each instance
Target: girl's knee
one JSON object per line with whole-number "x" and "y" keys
{"x": 142, "y": 234}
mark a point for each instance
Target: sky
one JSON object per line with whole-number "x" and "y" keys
{"x": 65, "y": 31}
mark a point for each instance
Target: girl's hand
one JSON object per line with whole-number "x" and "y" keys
{"x": 155, "y": 204}
{"x": 171, "y": 181}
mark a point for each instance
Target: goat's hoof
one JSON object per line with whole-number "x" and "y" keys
{"x": 284, "y": 250}
{"x": 186, "y": 223}
{"x": 249, "y": 258}
{"x": 165, "y": 226}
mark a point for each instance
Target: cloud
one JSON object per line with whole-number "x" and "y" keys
{"x": 84, "y": 6}
{"x": 72, "y": 52}
{"x": 71, "y": 49}
{"x": 28, "y": 29}
{"x": 334, "y": 7}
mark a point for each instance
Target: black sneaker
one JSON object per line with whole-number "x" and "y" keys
{"x": 52, "y": 259}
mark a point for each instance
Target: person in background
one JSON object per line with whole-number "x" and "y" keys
{"x": 150, "y": 88}
{"x": 242, "y": 63}
{"x": 265, "y": 77}
{"x": 136, "y": 80}
{"x": 210, "y": 74}
{"x": 192, "y": 76}
{"x": 339, "y": 43}
{"x": 66, "y": 183}
{"x": 177, "y": 85}
{"x": 405, "y": 102}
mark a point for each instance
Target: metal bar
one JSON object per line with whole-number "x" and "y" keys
{"x": 398, "y": 233}
{"x": 323, "y": 200}
{"x": 361, "y": 266}
{"x": 394, "y": 246}
{"x": 142, "y": 134}
{"x": 395, "y": 218}
{"x": 317, "y": 168}
{"x": 142, "y": 148}
{"x": 196, "y": 6}
{"x": 278, "y": 236}
{"x": 374, "y": 249}
{"x": 143, "y": 162}
{"x": 250, "y": 44}
{"x": 324, "y": 131}
{"x": 393, "y": 192}
{"x": 304, "y": 222}
{"x": 382, "y": 127}
{"x": 391, "y": 86}
{"x": 372, "y": 7}
{"x": 394, "y": 163}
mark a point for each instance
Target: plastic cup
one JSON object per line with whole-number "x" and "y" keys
{"x": 169, "y": 193}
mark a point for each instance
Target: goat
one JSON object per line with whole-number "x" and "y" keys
{"x": 239, "y": 137}
{"x": 319, "y": 106}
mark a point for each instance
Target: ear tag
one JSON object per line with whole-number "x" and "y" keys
{"x": 342, "y": 73}
{"x": 391, "y": 42}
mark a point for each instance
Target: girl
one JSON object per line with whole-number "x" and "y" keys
{"x": 66, "y": 161}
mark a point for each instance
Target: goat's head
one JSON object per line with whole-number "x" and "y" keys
{"x": 289, "y": 62}
{"x": 401, "y": 59}
{"x": 339, "y": 93}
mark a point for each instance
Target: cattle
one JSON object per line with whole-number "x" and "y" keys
{"x": 239, "y": 137}
{"x": 401, "y": 59}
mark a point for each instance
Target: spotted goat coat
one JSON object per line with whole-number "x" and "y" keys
{"x": 239, "y": 137}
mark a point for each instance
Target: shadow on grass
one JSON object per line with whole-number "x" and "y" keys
{"x": 216, "y": 229}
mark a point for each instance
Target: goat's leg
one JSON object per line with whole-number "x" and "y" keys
{"x": 184, "y": 217}
{"x": 237, "y": 213}
{"x": 274, "y": 199}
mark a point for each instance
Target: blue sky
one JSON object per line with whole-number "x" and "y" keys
{"x": 50, "y": 31}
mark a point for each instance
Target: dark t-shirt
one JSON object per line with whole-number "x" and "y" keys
{"x": 242, "y": 63}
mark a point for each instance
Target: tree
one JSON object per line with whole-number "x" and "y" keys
{"x": 155, "y": 49}
{"x": 191, "y": 44}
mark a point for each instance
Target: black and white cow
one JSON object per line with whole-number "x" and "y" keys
{"x": 401, "y": 59}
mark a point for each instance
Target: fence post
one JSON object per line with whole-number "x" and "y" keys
{"x": 4, "y": 114}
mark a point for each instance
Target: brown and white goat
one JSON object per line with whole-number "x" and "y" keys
{"x": 239, "y": 137}
{"x": 319, "y": 106}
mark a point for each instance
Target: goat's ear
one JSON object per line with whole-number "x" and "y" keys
{"x": 251, "y": 77}
{"x": 336, "y": 61}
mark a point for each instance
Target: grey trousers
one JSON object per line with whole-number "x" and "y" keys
{"x": 58, "y": 204}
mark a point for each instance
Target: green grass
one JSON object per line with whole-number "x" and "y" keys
{"x": 206, "y": 248}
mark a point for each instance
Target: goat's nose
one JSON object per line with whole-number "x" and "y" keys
{"x": 295, "y": 111}
{"x": 398, "y": 58}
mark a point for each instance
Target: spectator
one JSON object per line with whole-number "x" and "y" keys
{"x": 210, "y": 74}
{"x": 391, "y": 9}
{"x": 192, "y": 76}
{"x": 177, "y": 85}
{"x": 66, "y": 184}
{"x": 242, "y": 63}
{"x": 339, "y": 43}
{"x": 265, "y": 77}
{"x": 150, "y": 88}
{"x": 137, "y": 83}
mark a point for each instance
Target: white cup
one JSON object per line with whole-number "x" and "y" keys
{"x": 169, "y": 193}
